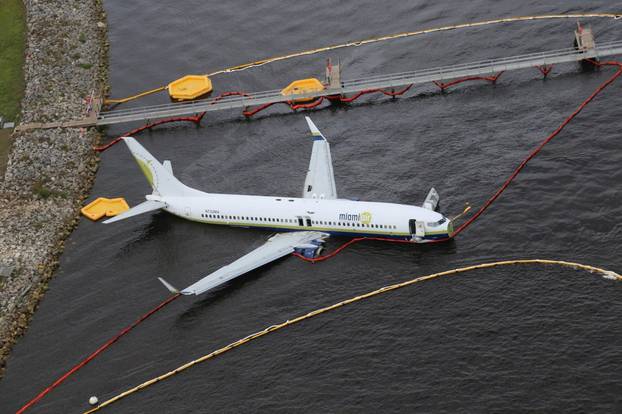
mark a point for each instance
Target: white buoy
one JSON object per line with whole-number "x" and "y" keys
{"x": 93, "y": 400}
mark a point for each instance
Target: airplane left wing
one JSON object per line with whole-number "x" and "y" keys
{"x": 276, "y": 247}
{"x": 320, "y": 181}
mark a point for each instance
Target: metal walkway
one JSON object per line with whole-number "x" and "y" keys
{"x": 438, "y": 74}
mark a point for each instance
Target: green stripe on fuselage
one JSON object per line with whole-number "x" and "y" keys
{"x": 146, "y": 169}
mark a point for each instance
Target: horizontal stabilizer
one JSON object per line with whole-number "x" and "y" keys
{"x": 144, "y": 207}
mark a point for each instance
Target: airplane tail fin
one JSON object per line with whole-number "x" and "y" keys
{"x": 160, "y": 176}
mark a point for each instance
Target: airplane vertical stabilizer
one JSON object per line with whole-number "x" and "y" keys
{"x": 160, "y": 177}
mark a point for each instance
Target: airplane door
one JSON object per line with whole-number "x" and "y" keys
{"x": 416, "y": 228}
{"x": 420, "y": 229}
{"x": 300, "y": 222}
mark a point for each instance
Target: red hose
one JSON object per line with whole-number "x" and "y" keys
{"x": 539, "y": 147}
{"x": 492, "y": 79}
{"x": 92, "y": 356}
{"x": 346, "y": 244}
{"x": 545, "y": 69}
{"x": 259, "y": 108}
{"x": 196, "y": 119}
{"x": 332, "y": 98}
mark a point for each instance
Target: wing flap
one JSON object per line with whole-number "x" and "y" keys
{"x": 320, "y": 180}
{"x": 276, "y": 247}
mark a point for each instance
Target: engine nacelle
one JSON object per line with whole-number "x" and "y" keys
{"x": 310, "y": 250}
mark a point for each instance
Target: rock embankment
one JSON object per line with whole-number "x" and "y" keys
{"x": 49, "y": 172}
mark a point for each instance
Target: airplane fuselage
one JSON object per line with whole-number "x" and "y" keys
{"x": 338, "y": 217}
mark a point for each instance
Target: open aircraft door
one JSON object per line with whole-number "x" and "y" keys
{"x": 417, "y": 229}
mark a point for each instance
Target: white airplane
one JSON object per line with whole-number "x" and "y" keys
{"x": 307, "y": 221}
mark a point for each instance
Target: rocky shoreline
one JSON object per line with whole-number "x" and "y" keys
{"x": 49, "y": 172}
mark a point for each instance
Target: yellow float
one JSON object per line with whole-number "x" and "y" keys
{"x": 189, "y": 87}
{"x": 303, "y": 86}
{"x": 104, "y": 207}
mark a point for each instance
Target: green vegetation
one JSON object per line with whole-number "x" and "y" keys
{"x": 5, "y": 144}
{"x": 41, "y": 190}
{"x": 12, "y": 27}
{"x": 85, "y": 65}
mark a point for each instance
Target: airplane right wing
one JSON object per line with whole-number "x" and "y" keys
{"x": 320, "y": 181}
{"x": 276, "y": 247}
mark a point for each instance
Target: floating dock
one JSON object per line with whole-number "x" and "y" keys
{"x": 442, "y": 76}
{"x": 101, "y": 207}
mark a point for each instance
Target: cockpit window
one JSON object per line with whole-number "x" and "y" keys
{"x": 437, "y": 223}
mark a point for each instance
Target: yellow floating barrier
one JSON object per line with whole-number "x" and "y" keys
{"x": 189, "y": 87}
{"x": 303, "y": 86}
{"x": 104, "y": 207}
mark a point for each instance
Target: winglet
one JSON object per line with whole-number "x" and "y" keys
{"x": 167, "y": 285}
{"x": 314, "y": 130}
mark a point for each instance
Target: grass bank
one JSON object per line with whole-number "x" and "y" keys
{"x": 12, "y": 43}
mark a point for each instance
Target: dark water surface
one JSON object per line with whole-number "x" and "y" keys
{"x": 513, "y": 339}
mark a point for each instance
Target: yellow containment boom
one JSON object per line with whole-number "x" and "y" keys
{"x": 303, "y": 86}
{"x": 104, "y": 207}
{"x": 189, "y": 87}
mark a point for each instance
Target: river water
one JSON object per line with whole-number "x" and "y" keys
{"x": 512, "y": 339}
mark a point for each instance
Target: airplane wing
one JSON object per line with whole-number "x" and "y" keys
{"x": 320, "y": 181}
{"x": 276, "y": 247}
